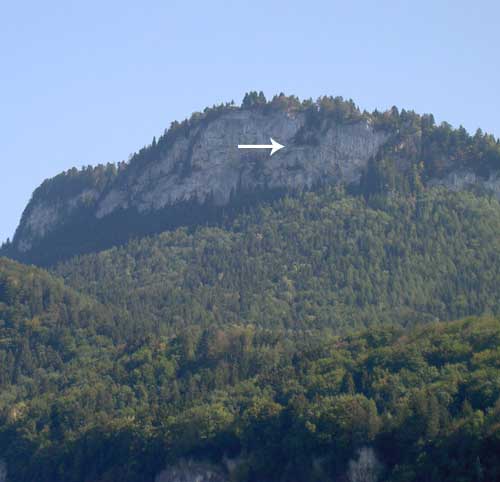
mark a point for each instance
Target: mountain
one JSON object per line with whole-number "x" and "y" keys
{"x": 329, "y": 313}
{"x": 195, "y": 174}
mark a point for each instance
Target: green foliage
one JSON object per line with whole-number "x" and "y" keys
{"x": 253, "y": 98}
{"x": 114, "y": 406}
{"x": 75, "y": 181}
{"x": 237, "y": 342}
{"x": 320, "y": 260}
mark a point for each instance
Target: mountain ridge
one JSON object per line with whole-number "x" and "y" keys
{"x": 195, "y": 171}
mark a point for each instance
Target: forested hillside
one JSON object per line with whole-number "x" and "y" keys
{"x": 258, "y": 404}
{"x": 243, "y": 347}
{"x": 321, "y": 260}
{"x": 44, "y": 326}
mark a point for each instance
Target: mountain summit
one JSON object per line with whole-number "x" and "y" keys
{"x": 195, "y": 171}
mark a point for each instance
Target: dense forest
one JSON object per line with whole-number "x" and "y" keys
{"x": 324, "y": 259}
{"x": 296, "y": 341}
{"x": 81, "y": 400}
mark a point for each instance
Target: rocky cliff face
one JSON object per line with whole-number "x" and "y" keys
{"x": 206, "y": 166}
{"x": 462, "y": 179}
{"x": 202, "y": 165}
{"x": 217, "y": 167}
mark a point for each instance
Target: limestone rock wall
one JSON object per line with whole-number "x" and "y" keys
{"x": 206, "y": 164}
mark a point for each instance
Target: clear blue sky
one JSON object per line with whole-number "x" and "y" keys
{"x": 83, "y": 82}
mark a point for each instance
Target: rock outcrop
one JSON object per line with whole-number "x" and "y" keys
{"x": 462, "y": 179}
{"x": 217, "y": 168}
{"x": 206, "y": 166}
{"x": 191, "y": 472}
{"x": 200, "y": 164}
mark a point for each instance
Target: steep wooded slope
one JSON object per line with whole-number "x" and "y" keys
{"x": 322, "y": 259}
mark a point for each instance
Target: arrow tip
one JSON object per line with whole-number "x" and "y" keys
{"x": 276, "y": 146}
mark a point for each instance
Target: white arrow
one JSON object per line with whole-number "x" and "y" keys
{"x": 274, "y": 146}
